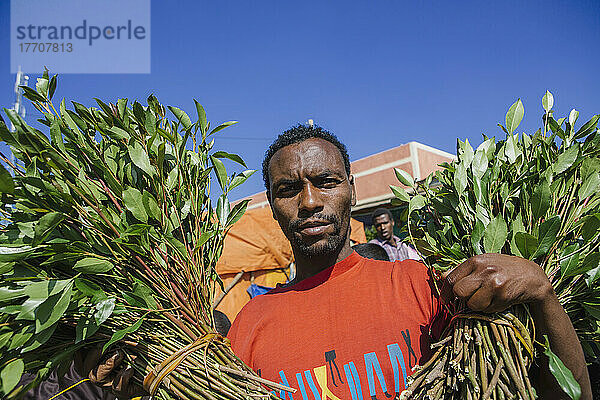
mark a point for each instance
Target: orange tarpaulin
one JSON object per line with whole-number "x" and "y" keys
{"x": 256, "y": 245}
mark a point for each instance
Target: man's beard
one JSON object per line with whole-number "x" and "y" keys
{"x": 332, "y": 245}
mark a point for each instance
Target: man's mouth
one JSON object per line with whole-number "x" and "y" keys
{"x": 313, "y": 228}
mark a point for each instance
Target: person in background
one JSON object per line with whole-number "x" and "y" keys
{"x": 394, "y": 247}
{"x": 372, "y": 251}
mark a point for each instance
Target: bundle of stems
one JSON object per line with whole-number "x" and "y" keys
{"x": 109, "y": 237}
{"x": 534, "y": 196}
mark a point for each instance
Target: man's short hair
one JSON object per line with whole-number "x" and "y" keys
{"x": 381, "y": 211}
{"x": 297, "y": 134}
{"x": 372, "y": 251}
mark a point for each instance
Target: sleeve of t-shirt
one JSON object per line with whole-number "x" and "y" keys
{"x": 240, "y": 334}
{"x": 426, "y": 288}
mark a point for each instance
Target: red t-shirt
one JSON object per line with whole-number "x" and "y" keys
{"x": 353, "y": 331}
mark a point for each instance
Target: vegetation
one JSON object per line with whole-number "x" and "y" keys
{"x": 109, "y": 236}
{"x": 534, "y": 196}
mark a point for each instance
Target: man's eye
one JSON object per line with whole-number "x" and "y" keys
{"x": 329, "y": 183}
{"x": 286, "y": 190}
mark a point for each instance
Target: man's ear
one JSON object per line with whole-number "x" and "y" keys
{"x": 353, "y": 190}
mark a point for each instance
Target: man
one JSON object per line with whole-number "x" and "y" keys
{"x": 384, "y": 225}
{"x": 351, "y": 328}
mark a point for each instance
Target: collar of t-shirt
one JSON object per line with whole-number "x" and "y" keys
{"x": 327, "y": 274}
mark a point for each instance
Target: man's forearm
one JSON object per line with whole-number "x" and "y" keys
{"x": 551, "y": 320}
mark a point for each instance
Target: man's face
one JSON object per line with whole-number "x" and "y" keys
{"x": 311, "y": 195}
{"x": 384, "y": 226}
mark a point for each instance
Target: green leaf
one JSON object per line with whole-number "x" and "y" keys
{"x": 7, "y": 294}
{"x": 588, "y": 127}
{"x": 514, "y": 116}
{"x": 7, "y": 184}
{"x": 222, "y": 209}
{"x": 11, "y": 375}
{"x": 404, "y": 177}
{"x": 460, "y": 179}
{"x": 89, "y": 288}
{"x": 172, "y": 178}
{"x": 204, "y": 238}
{"x": 548, "y": 101}
{"x": 222, "y": 126}
{"x": 590, "y": 262}
{"x": 569, "y": 265}
{"x": 46, "y": 288}
{"x": 220, "y": 171}
{"x": 52, "y": 309}
{"x": 140, "y": 158}
{"x": 526, "y": 243}
{"x": 466, "y": 153}
{"x": 480, "y": 163}
{"x": 232, "y": 157}
{"x": 590, "y": 227}
{"x": 119, "y": 133}
{"x": 237, "y": 212}
{"x": 86, "y": 327}
{"x": 8, "y": 254}
{"x": 241, "y": 178}
{"x": 201, "y": 116}
{"x": 416, "y": 203}
{"x": 592, "y": 276}
{"x": 400, "y": 193}
{"x": 547, "y": 236}
{"x": 52, "y": 86}
{"x": 145, "y": 293}
{"x": 476, "y": 235}
{"x": 540, "y": 199}
{"x": 56, "y": 135}
{"x": 41, "y": 86}
{"x": 589, "y": 186}
{"x": 93, "y": 265}
{"x": 150, "y": 122}
{"x": 589, "y": 166}
{"x": 31, "y": 94}
{"x": 39, "y": 339}
{"x": 118, "y": 335}
{"x": 563, "y": 375}
{"x": 104, "y": 309}
{"x": 182, "y": 117}
{"x": 511, "y": 148}
{"x": 46, "y": 225}
{"x": 566, "y": 159}
{"x": 151, "y": 206}
{"x": 134, "y": 202}
{"x": 573, "y": 115}
{"x": 495, "y": 235}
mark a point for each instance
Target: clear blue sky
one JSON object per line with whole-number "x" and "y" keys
{"x": 376, "y": 73}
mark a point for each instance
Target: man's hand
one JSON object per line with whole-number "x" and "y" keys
{"x": 493, "y": 282}
{"x": 108, "y": 375}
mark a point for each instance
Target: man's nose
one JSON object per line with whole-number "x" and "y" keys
{"x": 310, "y": 200}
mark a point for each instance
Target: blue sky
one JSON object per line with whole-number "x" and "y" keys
{"x": 377, "y": 73}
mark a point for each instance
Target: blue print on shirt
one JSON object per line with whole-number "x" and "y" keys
{"x": 310, "y": 389}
